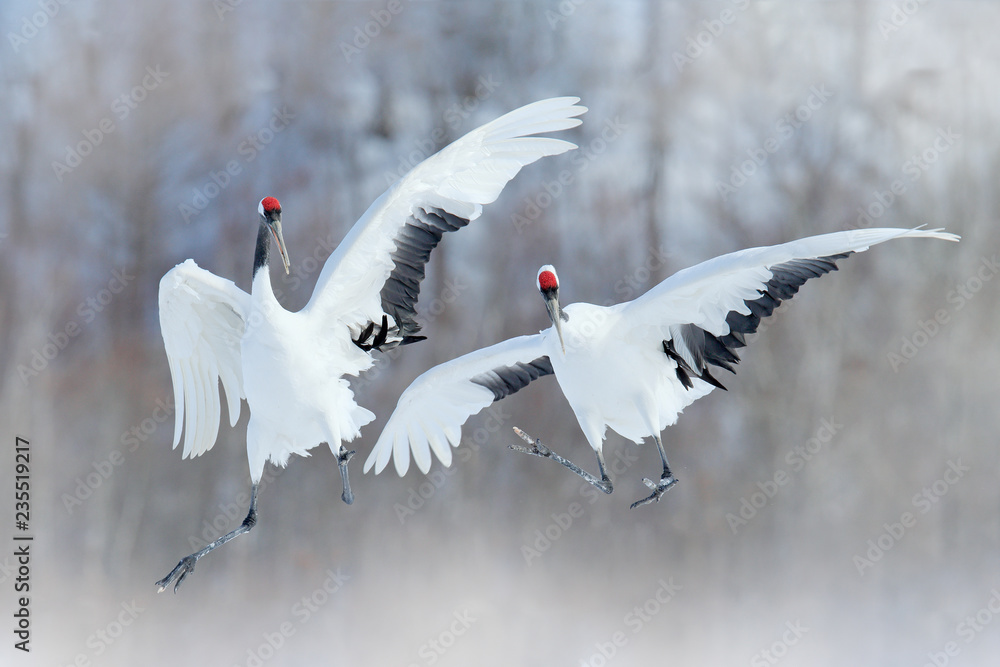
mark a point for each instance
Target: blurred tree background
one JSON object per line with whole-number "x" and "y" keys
{"x": 136, "y": 135}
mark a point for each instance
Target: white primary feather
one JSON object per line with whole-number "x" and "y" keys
{"x": 291, "y": 366}
{"x": 202, "y": 319}
{"x": 615, "y": 371}
{"x": 432, "y": 410}
{"x": 704, "y": 294}
{"x": 459, "y": 179}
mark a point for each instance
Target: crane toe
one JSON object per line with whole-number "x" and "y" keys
{"x": 180, "y": 572}
{"x": 658, "y": 488}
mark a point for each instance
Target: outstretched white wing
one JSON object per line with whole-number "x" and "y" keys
{"x": 704, "y": 312}
{"x": 202, "y": 319}
{"x": 378, "y": 267}
{"x": 430, "y": 413}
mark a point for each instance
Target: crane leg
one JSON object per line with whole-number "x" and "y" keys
{"x": 538, "y": 449}
{"x": 343, "y": 456}
{"x": 186, "y": 565}
{"x": 667, "y": 479}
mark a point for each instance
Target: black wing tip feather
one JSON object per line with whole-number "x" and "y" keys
{"x": 685, "y": 372}
{"x": 786, "y": 278}
{"x": 414, "y": 242}
{"x": 506, "y": 380}
{"x": 362, "y": 341}
{"x": 407, "y": 340}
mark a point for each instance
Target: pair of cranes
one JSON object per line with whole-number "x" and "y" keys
{"x": 632, "y": 367}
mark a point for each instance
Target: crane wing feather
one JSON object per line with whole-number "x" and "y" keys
{"x": 432, "y": 410}
{"x": 379, "y": 266}
{"x": 703, "y": 313}
{"x": 202, "y": 320}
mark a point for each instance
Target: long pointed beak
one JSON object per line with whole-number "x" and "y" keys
{"x": 555, "y": 314}
{"x": 280, "y": 241}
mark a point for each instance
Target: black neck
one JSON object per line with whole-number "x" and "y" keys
{"x": 262, "y": 255}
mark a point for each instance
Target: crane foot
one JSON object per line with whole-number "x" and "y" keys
{"x": 658, "y": 489}
{"x": 538, "y": 449}
{"x": 186, "y": 565}
{"x": 180, "y": 573}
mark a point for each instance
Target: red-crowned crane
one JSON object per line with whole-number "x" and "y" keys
{"x": 633, "y": 366}
{"x": 291, "y": 366}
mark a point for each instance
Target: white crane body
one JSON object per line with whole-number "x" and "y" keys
{"x": 292, "y": 367}
{"x": 633, "y": 366}
{"x": 311, "y": 406}
{"x": 615, "y": 375}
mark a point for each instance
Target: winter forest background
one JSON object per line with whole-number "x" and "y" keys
{"x": 136, "y": 135}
